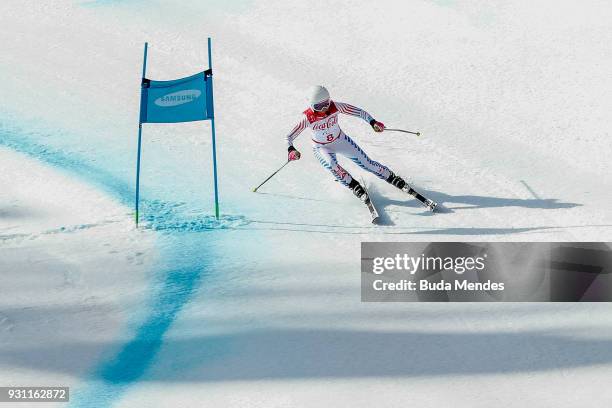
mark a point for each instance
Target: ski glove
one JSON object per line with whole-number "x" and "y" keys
{"x": 293, "y": 154}
{"x": 377, "y": 126}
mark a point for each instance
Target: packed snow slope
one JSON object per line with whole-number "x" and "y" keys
{"x": 63, "y": 244}
{"x": 262, "y": 308}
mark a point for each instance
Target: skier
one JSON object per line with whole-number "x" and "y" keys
{"x": 329, "y": 140}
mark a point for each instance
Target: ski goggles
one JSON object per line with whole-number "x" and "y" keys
{"x": 319, "y": 106}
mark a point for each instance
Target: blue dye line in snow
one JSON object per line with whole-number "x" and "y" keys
{"x": 114, "y": 376}
{"x": 176, "y": 283}
{"x": 131, "y": 361}
{"x": 100, "y": 178}
{"x": 158, "y": 215}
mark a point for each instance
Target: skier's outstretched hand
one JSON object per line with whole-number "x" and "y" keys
{"x": 377, "y": 126}
{"x": 293, "y": 154}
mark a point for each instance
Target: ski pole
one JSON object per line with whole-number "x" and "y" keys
{"x": 272, "y": 175}
{"x": 403, "y": 131}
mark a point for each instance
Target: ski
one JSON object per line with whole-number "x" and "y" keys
{"x": 368, "y": 202}
{"x": 429, "y": 204}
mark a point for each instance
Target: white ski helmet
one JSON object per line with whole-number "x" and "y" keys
{"x": 318, "y": 94}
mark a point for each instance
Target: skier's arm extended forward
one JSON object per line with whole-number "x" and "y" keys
{"x": 293, "y": 153}
{"x": 360, "y": 113}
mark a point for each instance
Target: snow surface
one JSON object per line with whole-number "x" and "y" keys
{"x": 63, "y": 246}
{"x": 262, "y": 308}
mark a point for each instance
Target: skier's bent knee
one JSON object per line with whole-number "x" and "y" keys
{"x": 342, "y": 175}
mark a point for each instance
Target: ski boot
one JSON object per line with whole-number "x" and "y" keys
{"x": 399, "y": 182}
{"x": 359, "y": 191}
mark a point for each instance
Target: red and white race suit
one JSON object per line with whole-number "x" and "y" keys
{"x": 329, "y": 140}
